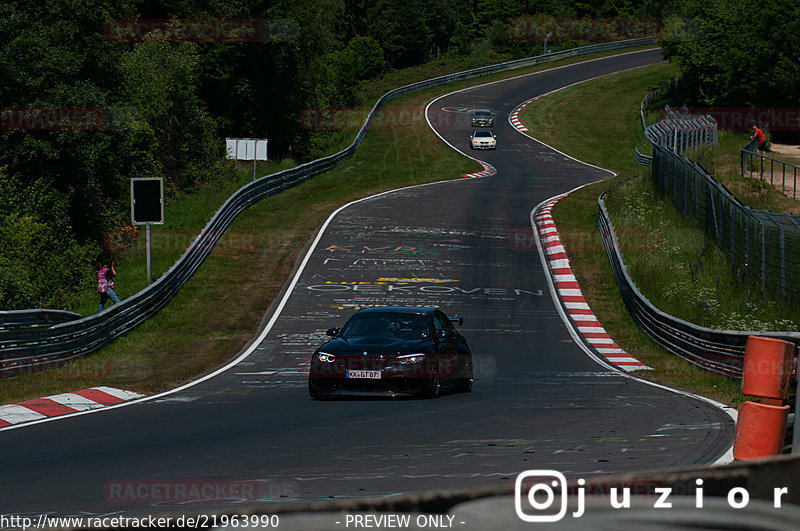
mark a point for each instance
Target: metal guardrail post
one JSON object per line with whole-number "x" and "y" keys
{"x": 763, "y": 257}
{"x": 782, "y": 244}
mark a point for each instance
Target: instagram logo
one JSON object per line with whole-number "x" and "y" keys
{"x": 540, "y": 495}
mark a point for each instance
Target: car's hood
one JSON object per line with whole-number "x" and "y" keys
{"x": 376, "y": 345}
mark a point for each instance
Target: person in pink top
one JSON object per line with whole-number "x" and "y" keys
{"x": 105, "y": 284}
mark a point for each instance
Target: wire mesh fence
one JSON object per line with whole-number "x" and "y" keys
{"x": 761, "y": 245}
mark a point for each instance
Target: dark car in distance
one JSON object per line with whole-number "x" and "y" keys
{"x": 392, "y": 351}
{"x": 482, "y": 118}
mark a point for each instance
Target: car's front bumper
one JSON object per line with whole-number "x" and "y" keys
{"x": 395, "y": 379}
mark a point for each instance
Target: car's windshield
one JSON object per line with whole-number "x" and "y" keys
{"x": 408, "y": 326}
{"x": 483, "y": 133}
{"x": 482, "y": 114}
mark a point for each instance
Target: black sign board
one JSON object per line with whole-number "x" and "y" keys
{"x": 147, "y": 201}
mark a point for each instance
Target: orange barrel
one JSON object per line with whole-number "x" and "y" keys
{"x": 767, "y": 369}
{"x": 760, "y": 430}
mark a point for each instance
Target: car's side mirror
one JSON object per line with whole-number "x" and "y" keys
{"x": 333, "y": 332}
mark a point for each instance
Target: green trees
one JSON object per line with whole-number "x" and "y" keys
{"x": 158, "y": 79}
{"x": 91, "y": 99}
{"x": 40, "y": 259}
{"x": 742, "y": 53}
{"x": 341, "y": 70}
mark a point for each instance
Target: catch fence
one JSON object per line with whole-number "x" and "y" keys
{"x": 762, "y": 245}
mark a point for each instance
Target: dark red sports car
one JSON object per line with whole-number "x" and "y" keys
{"x": 392, "y": 351}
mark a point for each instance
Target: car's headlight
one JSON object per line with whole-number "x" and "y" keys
{"x": 411, "y": 358}
{"x": 324, "y": 356}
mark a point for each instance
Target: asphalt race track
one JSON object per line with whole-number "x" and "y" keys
{"x": 253, "y": 433}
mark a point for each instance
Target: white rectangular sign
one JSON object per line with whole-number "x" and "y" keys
{"x": 246, "y": 148}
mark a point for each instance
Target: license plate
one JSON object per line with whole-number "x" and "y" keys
{"x": 369, "y": 375}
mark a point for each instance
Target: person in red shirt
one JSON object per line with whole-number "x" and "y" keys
{"x": 762, "y": 140}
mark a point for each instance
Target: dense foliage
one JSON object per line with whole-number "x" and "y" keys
{"x": 90, "y": 99}
{"x": 736, "y": 53}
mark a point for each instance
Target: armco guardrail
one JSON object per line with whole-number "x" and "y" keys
{"x": 641, "y": 158}
{"x": 28, "y": 345}
{"x": 34, "y": 318}
{"x": 645, "y": 104}
{"x": 720, "y": 351}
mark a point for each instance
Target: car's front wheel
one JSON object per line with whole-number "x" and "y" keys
{"x": 434, "y": 387}
{"x": 465, "y": 386}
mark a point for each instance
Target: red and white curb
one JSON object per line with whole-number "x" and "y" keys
{"x": 63, "y": 404}
{"x": 514, "y": 117}
{"x": 569, "y": 292}
{"x": 488, "y": 170}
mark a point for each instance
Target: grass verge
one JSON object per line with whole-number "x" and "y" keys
{"x": 236, "y": 285}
